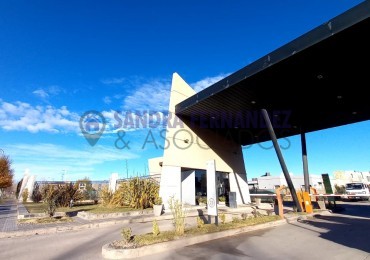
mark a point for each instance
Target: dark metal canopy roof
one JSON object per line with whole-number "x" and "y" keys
{"x": 319, "y": 80}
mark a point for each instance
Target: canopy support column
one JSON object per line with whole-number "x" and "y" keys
{"x": 281, "y": 159}
{"x": 305, "y": 163}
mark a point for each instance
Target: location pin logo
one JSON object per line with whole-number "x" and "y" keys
{"x": 92, "y": 125}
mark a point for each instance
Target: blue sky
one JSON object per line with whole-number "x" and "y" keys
{"x": 59, "y": 59}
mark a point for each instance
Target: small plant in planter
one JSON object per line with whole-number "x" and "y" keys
{"x": 126, "y": 234}
{"x": 179, "y": 214}
{"x": 200, "y": 222}
{"x": 155, "y": 228}
{"x": 202, "y": 200}
{"x": 158, "y": 206}
{"x": 223, "y": 218}
{"x": 127, "y": 240}
{"x": 222, "y": 199}
{"x": 158, "y": 200}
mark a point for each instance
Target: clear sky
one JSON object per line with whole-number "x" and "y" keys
{"x": 59, "y": 59}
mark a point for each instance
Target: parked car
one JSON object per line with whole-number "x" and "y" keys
{"x": 357, "y": 191}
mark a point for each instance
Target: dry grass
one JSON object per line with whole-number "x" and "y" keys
{"x": 149, "y": 239}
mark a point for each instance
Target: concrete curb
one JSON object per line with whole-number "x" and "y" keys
{"x": 59, "y": 229}
{"x": 63, "y": 228}
{"x": 53, "y": 230}
{"x": 111, "y": 253}
{"x": 92, "y": 216}
{"x": 139, "y": 218}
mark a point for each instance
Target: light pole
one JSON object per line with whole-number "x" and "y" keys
{"x": 63, "y": 173}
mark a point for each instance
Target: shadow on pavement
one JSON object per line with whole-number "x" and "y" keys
{"x": 347, "y": 231}
{"x": 356, "y": 209}
{"x": 75, "y": 212}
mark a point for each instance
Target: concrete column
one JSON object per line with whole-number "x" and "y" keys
{"x": 239, "y": 184}
{"x": 170, "y": 184}
{"x": 281, "y": 158}
{"x": 305, "y": 163}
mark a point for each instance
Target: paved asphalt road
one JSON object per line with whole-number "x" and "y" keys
{"x": 344, "y": 235}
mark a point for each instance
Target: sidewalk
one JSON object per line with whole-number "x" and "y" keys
{"x": 8, "y": 215}
{"x": 11, "y": 208}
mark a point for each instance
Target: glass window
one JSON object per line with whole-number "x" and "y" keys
{"x": 354, "y": 186}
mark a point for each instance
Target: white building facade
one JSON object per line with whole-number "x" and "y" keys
{"x": 273, "y": 182}
{"x": 343, "y": 177}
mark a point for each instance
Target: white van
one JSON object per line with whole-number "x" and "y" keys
{"x": 357, "y": 190}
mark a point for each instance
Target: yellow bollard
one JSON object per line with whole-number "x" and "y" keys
{"x": 300, "y": 199}
{"x": 307, "y": 202}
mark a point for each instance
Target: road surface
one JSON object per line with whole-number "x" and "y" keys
{"x": 344, "y": 235}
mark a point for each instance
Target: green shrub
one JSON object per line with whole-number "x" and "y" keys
{"x": 136, "y": 193}
{"x": 126, "y": 234}
{"x": 222, "y": 199}
{"x": 25, "y": 195}
{"x": 179, "y": 214}
{"x": 158, "y": 200}
{"x": 50, "y": 195}
{"x": 155, "y": 228}
{"x": 59, "y": 196}
{"x": 223, "y": 218}
{"x": 340, "y": 189}
{"x": 88, "y": 192}
{"x": 106, "y": 196}
{"x": 200, "y": 222}
{"x": 68, "y": 192}
{"x": 202, "y": 200}
{"x": 36, "y": 194}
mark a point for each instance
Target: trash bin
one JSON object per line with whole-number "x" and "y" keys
{"x": 232, "y": 200}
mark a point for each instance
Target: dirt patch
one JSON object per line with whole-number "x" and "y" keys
{"x": 119, "y": 244}
{"x": 48, "y": 220}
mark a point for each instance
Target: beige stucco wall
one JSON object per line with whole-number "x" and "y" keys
{"x": 154, "y": 165}
{"x": 189, "y": 149}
